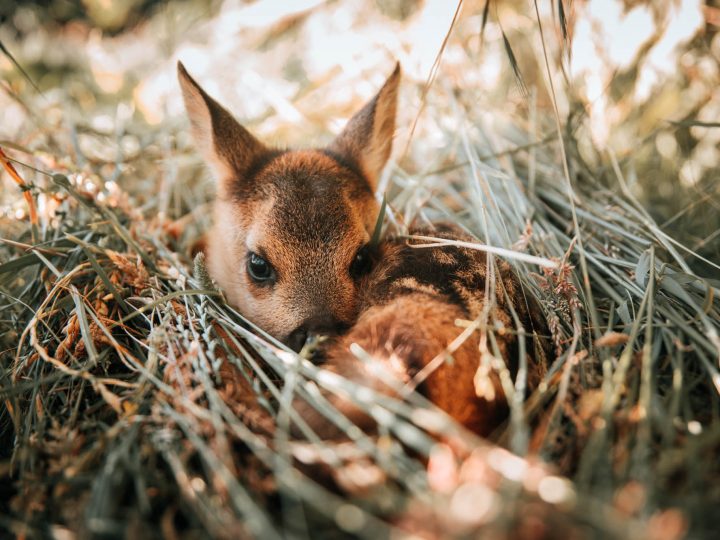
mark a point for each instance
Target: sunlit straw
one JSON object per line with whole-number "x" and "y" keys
{"x": 508, "y": 253}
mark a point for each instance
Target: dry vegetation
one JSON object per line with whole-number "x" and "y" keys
{"x": 119, "y": 417}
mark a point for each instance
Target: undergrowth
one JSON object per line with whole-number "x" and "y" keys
{"x": 137, "y": 402}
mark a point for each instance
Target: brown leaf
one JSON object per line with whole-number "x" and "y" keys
{"x": 111, "y": 399}
{"x": 612, "y": 339}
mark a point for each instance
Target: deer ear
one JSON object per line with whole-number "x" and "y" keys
{"x": 367, "y": 137}
{"x": 227, "y": 147}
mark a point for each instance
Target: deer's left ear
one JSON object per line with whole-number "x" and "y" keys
{"x": 228, "y": 148}
{"x": 367, "y": 137}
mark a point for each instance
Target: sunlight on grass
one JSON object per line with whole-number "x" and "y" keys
{"x": 133, "y": 394}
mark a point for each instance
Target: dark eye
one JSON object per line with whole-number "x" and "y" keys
{"x": 258, "y": 268}
{"x": 362, "y": 263}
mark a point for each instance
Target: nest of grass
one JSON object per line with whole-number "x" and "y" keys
{"x": 120, "y": 417}
{"x": 135, "y": 401}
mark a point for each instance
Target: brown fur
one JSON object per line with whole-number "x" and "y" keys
{"x": 411, "y": 303}
{"x": 306, "y": 212}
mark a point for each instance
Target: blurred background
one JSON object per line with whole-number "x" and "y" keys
{"x": 89, "y": 86}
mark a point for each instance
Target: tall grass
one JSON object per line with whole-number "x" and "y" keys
{"x": 136, "y": 401}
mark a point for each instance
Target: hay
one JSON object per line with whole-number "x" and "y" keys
{"x": 121, "y": 415}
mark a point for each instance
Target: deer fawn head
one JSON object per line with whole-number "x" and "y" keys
{"x": 290, "y": 241}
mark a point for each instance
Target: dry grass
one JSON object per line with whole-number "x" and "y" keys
{"x": 121, "y": 417}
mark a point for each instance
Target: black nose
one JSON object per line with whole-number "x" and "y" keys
{"x": 326, "y": 325}
{"x": 297, "y": 339}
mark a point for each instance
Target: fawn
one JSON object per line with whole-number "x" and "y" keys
{"x": 290, "y": 248}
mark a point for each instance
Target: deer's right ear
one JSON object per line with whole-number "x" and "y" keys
{"x": 367, "y": 137}
{"x": 227, "y": 147}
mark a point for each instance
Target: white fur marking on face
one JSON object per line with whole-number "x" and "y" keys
{"x": 254, "y": 237}
{"x": 252, "y": 240}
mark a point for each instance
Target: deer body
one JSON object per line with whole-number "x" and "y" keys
{"x": 414, "y": 312}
